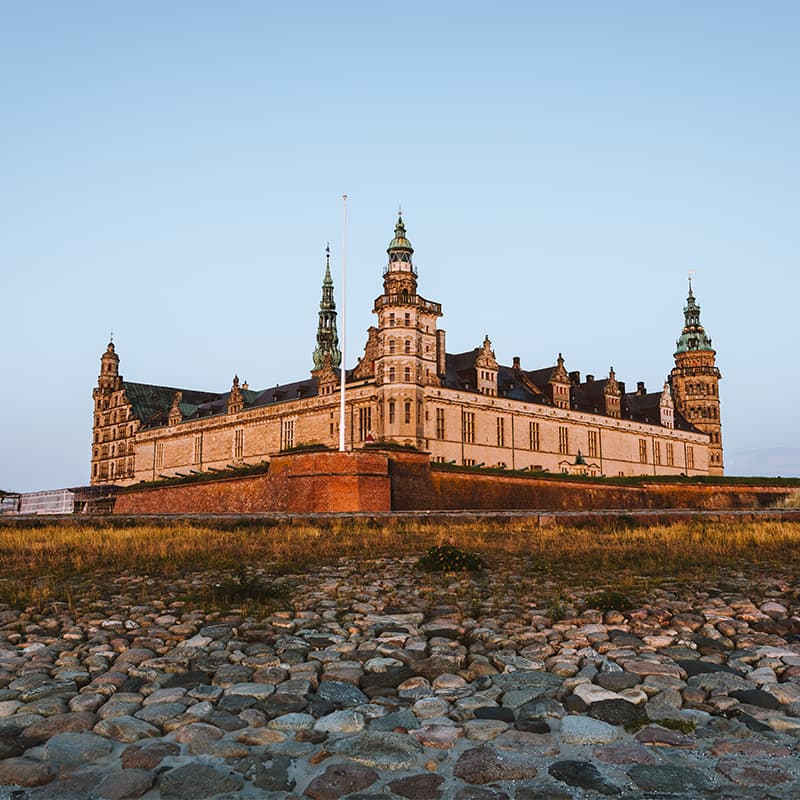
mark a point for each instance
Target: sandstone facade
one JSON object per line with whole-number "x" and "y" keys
{"x": 463, "y": 408}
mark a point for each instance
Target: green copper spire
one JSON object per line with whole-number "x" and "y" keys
{"x": 400, "y": 242}
{"x": 693, "y": 336}
{"x": 327, "y": 336}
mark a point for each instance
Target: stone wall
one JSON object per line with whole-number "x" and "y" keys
{"x": 388, "y": 480}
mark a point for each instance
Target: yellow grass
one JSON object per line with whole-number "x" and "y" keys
{"x": 37, "y": 563}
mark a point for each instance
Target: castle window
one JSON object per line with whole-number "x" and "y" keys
{"x": 656, "y": 452}
{"x": 391, "y": 346}
{"x": 689, "y": 458}
{"x": 469, "y": 462}
{"x": 407, "y": 374}
{"x": 563, "y": 439}
{"x": 391, "y": 320}
{"x": 593, "y": 444}
{"x": 643, "y": 451}
{"x": 407, "y": 319}
{"x": 364, "y": 422}
{"x": 159, "y": 455}
{"x": 468, "y": 427}
{"x": 440, "y": 423}
{"x": 407, "y": 346}
{"x": 501, "y": 432}
{"x": 94, "y": 470}
{"x": 407, "y": 412}
{"x": 391, "y": 374}
{"x": 391, "y": 412}
{"x": 670, "y": 454}
{"x": 197, "y": 449}
{"x": 238, "y": 443}
{"x": 533, "y": 435}
{"x": 287, "y": 434}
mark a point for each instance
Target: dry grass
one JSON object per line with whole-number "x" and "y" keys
{"x": 37, "y": 564}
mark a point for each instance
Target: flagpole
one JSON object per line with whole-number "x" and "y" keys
{"x": 344, "y": 328}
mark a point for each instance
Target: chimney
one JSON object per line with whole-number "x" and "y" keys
{"x": 575, "y": 377}
{"x": 640, "y": 390}
{"x": 516, "y": 362}
{"x": 441, "y": 355}
{"x": 590, "y": 379}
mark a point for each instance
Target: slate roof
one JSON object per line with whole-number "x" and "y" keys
{"x": 151, "y": 404}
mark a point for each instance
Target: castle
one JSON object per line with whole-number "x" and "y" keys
{"x": 462, "y": 408}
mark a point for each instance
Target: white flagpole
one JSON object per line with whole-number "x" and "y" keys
{"x": 344, "y": 329}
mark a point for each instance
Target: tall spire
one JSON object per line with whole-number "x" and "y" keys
{"x": 693, "y": 336}
{"x": 327, "y": 335}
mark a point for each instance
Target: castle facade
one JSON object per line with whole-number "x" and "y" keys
{"x": 406, "y": 389}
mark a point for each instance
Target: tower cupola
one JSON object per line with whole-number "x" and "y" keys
{"x": 400, "y": 277}
{"x": 693, "y": 336}
{"x": 109, "y": 378}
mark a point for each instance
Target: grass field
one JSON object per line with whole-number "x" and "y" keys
{"x": 42, "y": 565}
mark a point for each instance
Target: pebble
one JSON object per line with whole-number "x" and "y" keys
{"x": 376, "y": 681}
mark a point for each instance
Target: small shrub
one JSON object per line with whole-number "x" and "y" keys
{"x": 609, "y": 601}
{"x": 449, "y": 558}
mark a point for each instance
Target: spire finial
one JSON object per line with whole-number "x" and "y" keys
{"x": 111, "y": 337}
{"x": 692, "y": 273}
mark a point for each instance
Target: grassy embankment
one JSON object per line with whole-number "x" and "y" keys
{"x": 254, "y": 565}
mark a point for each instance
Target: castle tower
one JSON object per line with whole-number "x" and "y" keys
{"x": 113, "y": 428}
{"x": 327, "y": 352}
{"x": 407, "y": 345}
{"x": 109, "y": 379}
{"x": 695, "y": 382}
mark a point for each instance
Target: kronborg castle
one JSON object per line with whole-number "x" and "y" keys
{"x": 462, "y": 408}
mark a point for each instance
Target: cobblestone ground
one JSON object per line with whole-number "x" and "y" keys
{"x": 378, "y": 681}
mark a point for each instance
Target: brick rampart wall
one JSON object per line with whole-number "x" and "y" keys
{"x": 454, "y": 490}
{"x": 398, "y": 481}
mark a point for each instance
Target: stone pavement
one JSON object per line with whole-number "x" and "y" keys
{"x": 382, "y": 682}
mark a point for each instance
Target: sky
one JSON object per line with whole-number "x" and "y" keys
{"x": 173, "y": 171}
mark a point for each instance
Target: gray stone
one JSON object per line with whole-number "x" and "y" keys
{"x": 76, "y": 748}
{"x": 669, "y": 779}
{"x": 617, "y": 681}
{"x": 418, "y": 787}
{"x": 719, "y": 682}
{"x": 194, "y": 781}
{"x": 341, "y": 693}
{"x": 274, "y": 776}
{"x": 404, "y": 718}
{"x": 582, "y": 774}
{"x": 126, "y": 729}
{"x": 339, "y": 780}
{"x": 485, "y": 765}
{"x": 159, "y": 713}
{"x": 382, "y": 750}
{"x": 617, "y": 712}
{"x": 586, "y": 730}
{"x": 125, "y": 783}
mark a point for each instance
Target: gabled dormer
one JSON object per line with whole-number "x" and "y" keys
{"x": 235, "y": 397}
{"x": 175, "y": 416}
{"x": 666, "y": 407}
{"x": 486, "y": 369}
{"x": 612, "y": 395}
{"x": 558, "y": 387}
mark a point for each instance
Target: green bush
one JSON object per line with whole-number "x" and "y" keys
{"x": 609, "y": 601}
{"x": 449, "y": 558}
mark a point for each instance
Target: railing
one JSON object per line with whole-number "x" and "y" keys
{"x": 408, "y": 300}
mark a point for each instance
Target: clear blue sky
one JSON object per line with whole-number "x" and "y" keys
{"x": 174, "y": 170}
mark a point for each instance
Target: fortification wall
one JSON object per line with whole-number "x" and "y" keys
{"x": 380, "y": 481}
